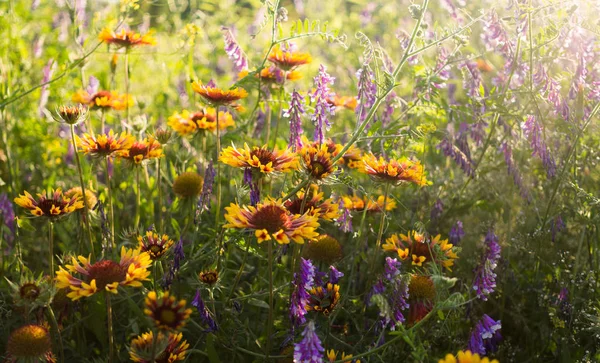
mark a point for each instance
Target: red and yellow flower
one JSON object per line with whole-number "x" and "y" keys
{"x": 187, "y": 123}
{"x": 287, "y": 59}
{"x": 174, "y": 348}
{"x": 154, "y": 245}
{"x": 126, "y": 38}
{"x": 271, "y": 220}
{"x": 139, "y": 151}
{"x": 104, "y": 275}
{"x": 218, "y": 97}
{"x": 53, "y": 205}
{"x": 466, "y": 357}
{"x": 315, "y": 204}
{"x": 346, "y": 358}
{"x": 317, "y": 160}
{"x": 324, "y": 298}
{"x": 260, "y": 159}
{"x": 103, "y": 100}
{"x": 420, "y": 248}
{"x": 166, "y": 312}
{"x": 395, "y": 171}
{"x": 104, "y": 145}
{"x": 356, "y": 203}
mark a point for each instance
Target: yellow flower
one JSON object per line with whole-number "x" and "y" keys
{"x": 316, "y": 205}
{"x": 54, "y": 206}
{"x": 260, "y": 159}
{"x": 273, "y": 75}
{"x": 271, "y": 220}
{"x": 126, "y": 38}
{"x": 324, "y": 299}
{"x": 156, "y": 246}
{"x": 347, "y": 358}
{"x": 139, "y": 151}
{"x": 30, "y": 343}
{"x": 104, "y": 145}
{"x": 347, "y": 102}
{"x": 466, "y": 357}
{"x": 103, "y": 100}
{"x": 89, "y": 196}
{"x": 166, "y": 312}
{"x": 218, "y": 97}
{"x": 356, "y": 203}
{"x": 174, "y": 349}
{"x": 107, "y": 275}
{"x": 317, "y": 160}
{"x": 421, "y": 248}
{"x": 188, "y": 185}
{"x": 287, "y": 59}
{"x": 187, "y": 123}
{"x": 395, "y": 171}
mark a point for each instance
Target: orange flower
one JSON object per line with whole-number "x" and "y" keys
{"x": 273, "y": 75}
{"x": 395, "y": 171}
{"x": 420, "y": 249}
{"x": 218, "y": 97}
{"x": 315, "y": 204}
{"x": 139, "y": 151}
{"x": 287, "y": 59}
{"x": 186, "y": 123}
{"x": 126, "y": 38}
{"x": 259, "y": 159}
{"x": 53, "y": 206}
{"x": 103, "y": 100}
{"x": 343, "y": 101}
{"x": 104, "y": 145}
{"x": 355, "y": 203}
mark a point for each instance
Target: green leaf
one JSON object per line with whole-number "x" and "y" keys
{"x": 259, "y": 303}
{"x": 213, "y": 357}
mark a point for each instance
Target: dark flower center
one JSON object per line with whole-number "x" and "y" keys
{"x": 46, "y": 205}
{"x": 421, "y": 249}
{"x": 265, "y": 156}
{"x": 294, "y": 206}
{"x": 101, "y": 94}
{"x": 106, "y": 272}
{"x": 137, "y": 149}
{"x": 200, "y": 115}
{"x": 272, "y": 218}
{"x": 29, "y": 291}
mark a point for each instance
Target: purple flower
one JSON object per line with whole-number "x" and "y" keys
{"x": 322, "y": 106}
{"x": 254, "y": 194}
{"x": 207, "y": 186}
{"x": 388, "y": 109}
{"x": 205, "y": 314}
{"x": 37, "y": 46}
{"x": 45, "y": 92}
{"x": 234, "y": 52}
{"x": 309, "y": 350}
{"x": 551, "y": 89}
{"x": 557, "y": 226}
{"x": 261, "y": 118}
{"x": 513, "y": 170}
{"x": 335, "y": 275}
{"x": 293, "y": 113}
{"x": 178, "y": 254}
{"x": 303, "y": 282}
{"x": 93, "y": 85}
{"x": 437, "y": 210}
{"x": 485, "y": 277}
{"x": 367, "y": 93}
{"x": 7, "y": 214}
{"x": 495, "y": 36}
{"x": 472, "y": 80}
{"x": 450, "y": 150}
{"x": 485, "y": 337}
{"x": 344, "y": 221}
{"x": 392, "y": 268}
{"x": 394, "y": 291}
{"x": 456, "y": 233}
{"x": 533, "y": 132}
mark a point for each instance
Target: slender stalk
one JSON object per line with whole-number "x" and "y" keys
{"x": 127, "y": 82}
{"x": 111, "y": 338}
{"x": 270, "y": 318}
{"x": 51, "y": 246}
{"x": 278, "y": 119}
{"x": 160, "y": 205}
{"x": 111, "y": 208}
{"x": 86, "y": 207}
{"x": 102, "y": 121}
{"x": 381, "y": 223}
{"x": 153, "y": 351}
{"x": 268, "y": 123}
{"x": 55, "y": 332}
{"x": 218, "y": 180}
{"x": 138, "y": 197}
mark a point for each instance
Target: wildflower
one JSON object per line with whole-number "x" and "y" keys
{"x": 356, "y": 203}
{"x": 209, "y": 179}
{"x": 367, "y": 92}
{"x": 130, "y": 270}
{"x": 126, "y": 38}
{"x": 294, "y": 113}
{"x": 325, "y": 249}
{"x": 485, "y": 337}
{"x": 303, "y": 282}
{"x": 260, "y": 159}
{"x": 140, "y": 151}
{"x": 45, "y": 92}
{"x": 31, "y": 292}
{"x": 154, "y": 245}
{"x": 209, "y": 277}
{"x": 174, "y": 348}
{"x": 90, "y": 197}
{"x": 187, "y": 123}
{"x": 317, "y": 161}
{"x": 396, "y": 171}
{"x": 104, "y": 145}
{"x": 7, "y": 214}
{"x": 456, "y": 233}
{"x": 495, "y": 36}
{"x": 335, "y": 275}
{"x": 274, "y": 75}
{"x": 30, "y": 342}
{"x": 217, "y": 97}
{"x": 345, "y": 220}
{"x": 166, "y": 312}
{"x": 233, "y": 50}
{"x": 346, "y": 358}
{"x": 162, "y": 135}
{"x": 557, "y": 226}
{"x": 271, "y": 220}
{"x": 421, "y": 292}
{"x": 315, "y": 205}
{"x": 437, "y": 210}
{"x": 450, "y": 150}
{"x": 513, "y": 170}
{"x": 205, "y": 314}
{"x": 466, "y": 357}
{"x": 391, "y": 295}
{"x": 71, "y": 115}
{"x": 421, "y": 249}
{"x": 473, "y": 81}
{"x": 188, "y": 185}
{"x": 51, "y": 205}
{"x": 533, "y": 131}
{"x": 388, "y": 108}
{"x": 324, "y": 298}
{"x": 309, "y": 349}
{"x": 347, "y": 102}
{"x": 485, "y": 278}
{"x": 320, "y": 96}
{"x": 287, "y": 59}
{"x": 103, "y": 100}
{"x": 254, "y": 194}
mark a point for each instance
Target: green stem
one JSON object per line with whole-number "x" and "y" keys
{"x": 51, "y": 246}
{"x": 278, "y": 119}
{"x": 385, "y": 198}
{"x": 111, "y": 208}
{"x": 138, "y": 197}
{"x": 127, "y": 82}
{"x": 111, "y": 338}
{"x": 270, "y": 318}
{"x": 218, "y": 180}
{"x": 86, "y": 207}
{"x": 56, "y": 332}
{"x": 160, "y": 205}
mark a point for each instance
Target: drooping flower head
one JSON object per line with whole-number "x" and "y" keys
{"x": 209, "y": 277}
{"x": 140, "y": 151}
{"x": 166, "y": 312}
{"x": 288, "y": 59}
{"x": 466, "y": 357}
{"x": 174, "y": 349}
{"x": 104, "y": 275}
{"x": 103, "y": 100}
{"x": 485, "y": 277}
{"x": 309, "y": 349}
{"x": 205, "y": 314}
{"x": 271, "y": 220}
{"x": 485, "y": 337}
{"x": 215, "y": 96}
{"x": 51, "y": 205}
{"x": 126, "y": 38}
{"x": 154, "y": 244}
{"x": 30, "y": 343}
{"x": 323, "y": 108}
{"x": 260, "y": 159}
{"x": 396, "y": 171}
{"x": 90, "y": 197}
{"x": 104, "y": 145}
{"x": 314, "y": 204}
{"x": 188, "y": 123}
{"x": 421, "y": 249}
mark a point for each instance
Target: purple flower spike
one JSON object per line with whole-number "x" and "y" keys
{"x": 7, "y": 214}
{"x": 322, "y": 106}
{"x": 485, "y": 337}
{"x": 335, "y": 275}
{"x": 345, "y": 220}
{"x": 234, "y": 52}
{"x": 293, "y": 113}
{"x": 45, "y": 92}
{"x": 392, "y": 268}
{"x": 485, "y": 277}
{"x": 205, "y": 314}
{"x": 309, "y": 350}
{"x": 533, "y": 132}
{"x": 204, "y": 200}
{"x": 303, "y": 282}
{"x": 367, "y": 92}
{"x": 456, "y": 233}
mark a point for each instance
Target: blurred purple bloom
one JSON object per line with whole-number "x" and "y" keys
{"x": 304, "y": 280}
{"x": 261, "y": 118}
{"x": 366, "y": 14}
{"x": 322, "y": 106}
{"x": 557, "y": 226}
{"x": 495, "y": 37}
{"x": 44, "y": 91}
{"x": 485, "y": 277}
{"x": 367, "y": 93}
{"x": 450, "y": 150}
{"x": 404, "y": 39}
{"x": 485, "y": 337}
{"x": 62, "y": 21}
{"x": 293, "y": 113}
{"x": 79, "y": 10}
{"x": 334, "y": 275}
{"x": 513, "y": 170}
{"x": 449, "y": 6}
{"x": 472, "y": 80}
{"x": 344, "y": 221}
{"x": 551, "y": 89}
{"x": 37, "y": 46}
{"x": 207, "y": 187}
{"x": 437, "y": 210}
{"x": 392, "y": 268}
{"x": 205, "y": 314}
{"x": 395, "y": 291}
{"x": 477, "y": 132}
{"x": 309, "y": 350}
{"x": 533, "y": 132}
{"x": 233, "y": 50}
{"x": 388, "y": 109}
{"x": 93, "y": 85}
{"x": 35, "y": 4}
{"x": 7, "y": 214}
{"x": 456, "y": 233}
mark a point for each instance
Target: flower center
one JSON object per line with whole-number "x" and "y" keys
{"x": 156, "y": 250}
{"x": 265, "y": 156}
{"x": 294, "y": 206}
{"x": 167, "y": 316}
{"x": 421, "y": 249}
{"x": 29, "y": 291}
{"x": 200, "y": 115}
{"x": 273, "y": 218}
{"x": 46, "y": 205}
{"x": 106, "y": 272}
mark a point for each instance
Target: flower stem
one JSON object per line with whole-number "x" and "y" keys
{"x": 55, "y": 332}
{"x": 153, "y": 351}
{"x": 218, "y": 179}
{"x": 51, "y": 247}
{"x": 278, "y": 119}
{"x": 160, "y": 205}
{"x": 111, "y": 338}
{"x": 110, "y": 206}
{"x": 86, "y": 207}
{"x": 270, "y": 318}
{"x": 126, "y": 83}
{"x": 138, "y": 197}
{"x": 381, "y": 223}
